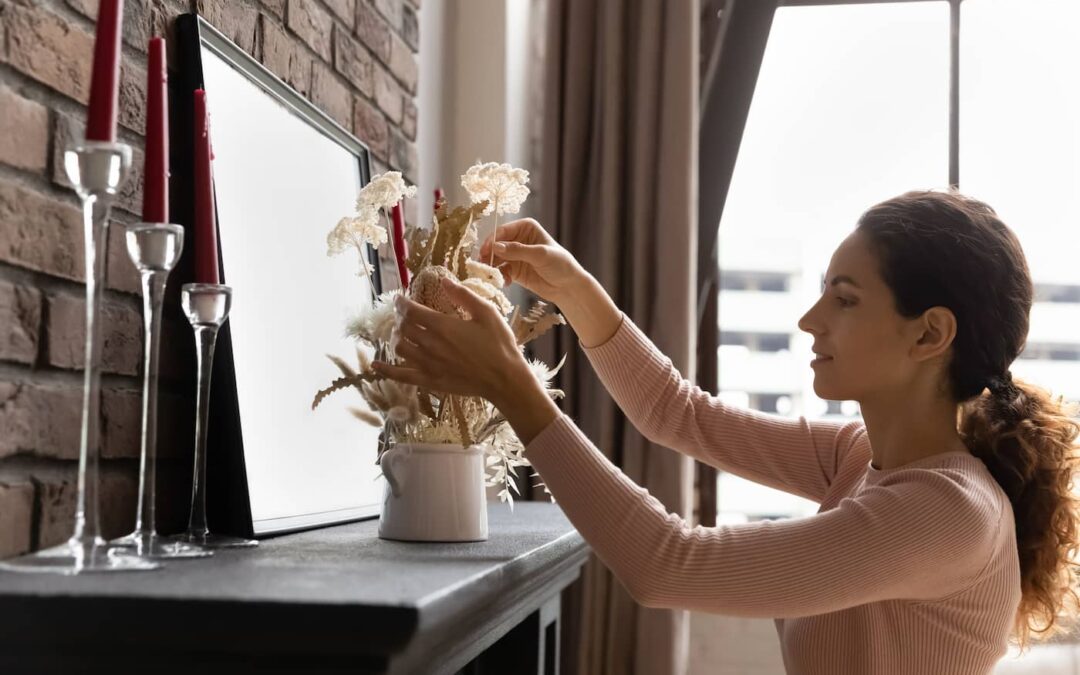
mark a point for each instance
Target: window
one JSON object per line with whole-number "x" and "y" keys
{"x": 850, "y": 107}
{"x": 1020, "y": 152}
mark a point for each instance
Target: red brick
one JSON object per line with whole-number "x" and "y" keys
{"x": 119, "y": 489}
{"x": 373, "y": 30}
{"x": 56, "y": 508}
{"x": 403, "y": 63}
{"x": 388, "y": 95}
{"x": 276, "y": 7}
{"x": 16, "y": 513}
{"x": 313, "y": 24}
{"x": 410, "y": 27}
{"x": 403, "y": 156}
{"x": 284, "y": 57}
{"x": 391, "y": 9}
{"x": 353, "y": 61}
{"x": 163, "y": 22}
{"x": 20, "y": 322}
{"x": 136, "y": 19}
{"x": 370, "y": 126}
{"x": 344, "y": 9}
{"x": 378, "y": 166}
{"x": 120, "y": 272}
{"x": 40, "y": 420}
{"x": 331, "y": 95}
{"x": 236, "y": 20}
{"x": 65, "y": 335}
{"x": 24, "y": 132}
{"x": 408, "y": 124}
{"x": 121, "y": 422}
{"x": 133, "y": 98}
{"x": 40, "y": 233}
{"x": 49, "y": 49}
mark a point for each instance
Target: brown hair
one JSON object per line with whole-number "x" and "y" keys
{"x": 945, "y": 249}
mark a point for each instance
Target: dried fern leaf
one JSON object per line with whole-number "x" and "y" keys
{"x": 452, "y": 229}
{"x": 542, "y": 326}
{"x": 535, "y": 323}
{"x": 462, "y": 424}
{"x": 342, "y": 383}
{"x": 419, "y": 246}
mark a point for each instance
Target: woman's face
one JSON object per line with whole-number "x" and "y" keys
{"x": 856, "y": 326}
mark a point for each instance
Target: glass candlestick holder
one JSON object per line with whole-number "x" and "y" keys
{"x": 207, "y": 307}
{"x": 154, "y": 248}
{"x": 97, "y": 170}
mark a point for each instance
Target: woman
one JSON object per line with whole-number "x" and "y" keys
{"x": 946, "y": 523}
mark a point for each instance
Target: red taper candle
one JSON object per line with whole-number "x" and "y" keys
{"x": 206, "y": 249}
{"x": 400, "y": 248}
{"x": 105, "y": 77}
{"x": 156, "y": 166}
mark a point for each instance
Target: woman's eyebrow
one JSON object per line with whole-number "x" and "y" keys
{"x": 839, "y": 278}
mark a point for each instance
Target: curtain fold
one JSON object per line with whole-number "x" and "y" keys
{"x": 618, "y": 189}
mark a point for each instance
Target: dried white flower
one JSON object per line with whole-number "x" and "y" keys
{"x": 475, "y": 269}
{"x": 375, "y": 322}
{"x": 490, "y": 293}
{"x": 501, "y": 184}
{"x": 383, "y": 191}
{"x": 356, "y": 231}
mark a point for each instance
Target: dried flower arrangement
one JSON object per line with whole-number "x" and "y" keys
{"x": 405, "y": 412}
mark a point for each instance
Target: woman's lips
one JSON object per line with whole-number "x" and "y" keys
{"x": 820, "y": 359}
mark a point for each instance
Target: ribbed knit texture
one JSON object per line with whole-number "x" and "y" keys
{"x": 907, "y": 570}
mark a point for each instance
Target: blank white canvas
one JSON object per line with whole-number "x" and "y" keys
{"x": 281, "y": 186}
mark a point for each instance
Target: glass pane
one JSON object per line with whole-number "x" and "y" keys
{"x": 851, "y": 107}
{"x": 1020, "y": 152}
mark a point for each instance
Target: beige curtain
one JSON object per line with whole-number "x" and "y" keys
{"x": 618, "y": 188}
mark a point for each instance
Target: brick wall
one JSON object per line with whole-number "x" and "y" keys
{"x": 355, "y": 59}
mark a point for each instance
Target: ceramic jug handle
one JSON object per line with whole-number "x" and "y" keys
{"x": 391, "y": 459}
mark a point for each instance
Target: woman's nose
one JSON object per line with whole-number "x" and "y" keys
{"x": 805, "y": 323}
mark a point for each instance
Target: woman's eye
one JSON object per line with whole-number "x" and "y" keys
{"x": 844, "y": 302}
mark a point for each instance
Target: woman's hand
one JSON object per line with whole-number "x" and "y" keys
{"x": 526, "y": 253}
{"x": 474, "y": 357}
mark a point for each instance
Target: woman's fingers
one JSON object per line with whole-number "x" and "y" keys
{"x": 410, "y": 352}
{"x": 463, "y": 297}
{"x": 411, "y": 311}
{"x": 415, "y": 333}
{"x": 400, "y": 373}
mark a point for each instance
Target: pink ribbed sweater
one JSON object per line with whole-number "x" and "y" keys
{"x": 907, "y": 570}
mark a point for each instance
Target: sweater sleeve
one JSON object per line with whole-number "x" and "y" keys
{"x": 795, "y": 455}
{"x": 917, "y": 535}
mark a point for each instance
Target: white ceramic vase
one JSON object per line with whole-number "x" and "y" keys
{"x": 434, "y": 492}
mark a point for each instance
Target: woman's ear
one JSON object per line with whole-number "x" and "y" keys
{"x": 936, "y": 330}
